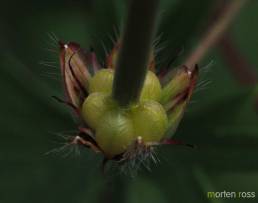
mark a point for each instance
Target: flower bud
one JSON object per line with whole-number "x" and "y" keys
{"x": 127, "y": 129}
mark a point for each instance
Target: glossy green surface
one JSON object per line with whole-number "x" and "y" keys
{"x": 102, "y": 81}
{"x": 150, "y": 121}
{"x": 119, "y": 127}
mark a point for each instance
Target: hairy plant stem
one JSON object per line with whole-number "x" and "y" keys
{"x": 216, "y": 30}
{"x": 131, "y": 67}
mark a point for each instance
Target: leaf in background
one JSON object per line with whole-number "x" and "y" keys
{"x": 232, "y": 118}
{"x": 145, "y": 190}
{"x": 206, "y": 185}
{"x": 179, "y": 25}
{"x": 28, "y": 115}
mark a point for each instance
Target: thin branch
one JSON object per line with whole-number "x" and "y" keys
{"x": 216, "y": 30}
{"x": 135, "y": 51}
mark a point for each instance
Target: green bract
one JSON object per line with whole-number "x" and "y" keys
{"x": 116, "y": 127}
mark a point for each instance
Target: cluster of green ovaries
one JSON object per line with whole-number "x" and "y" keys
{"x": 118, "y": 127}
{"x": 115, "y": 128}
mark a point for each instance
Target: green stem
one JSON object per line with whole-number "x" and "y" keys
{"x": 135, "y": 50}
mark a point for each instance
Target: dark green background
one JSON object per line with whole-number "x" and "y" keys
{"x": 222, "y": 121}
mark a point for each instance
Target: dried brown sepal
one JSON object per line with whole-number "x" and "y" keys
{"x": 86, "y": 138}
{"x": 66, "y": 103}
{"x": 170, "y": 141}
{"x": 93, "y": 64}
{"x": 74, "y": 69}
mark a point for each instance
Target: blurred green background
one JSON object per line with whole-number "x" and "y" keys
{"x": 222, "y": 119}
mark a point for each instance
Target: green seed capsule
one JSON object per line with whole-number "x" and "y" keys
{"x": 115, "y": 133}
{"x": 117, "y": 128}
{"x": 94, "y": 107}
{"x": 150, "y": 121}
{"x": 151, "y": 89}
{"x": 102, "y": 81}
